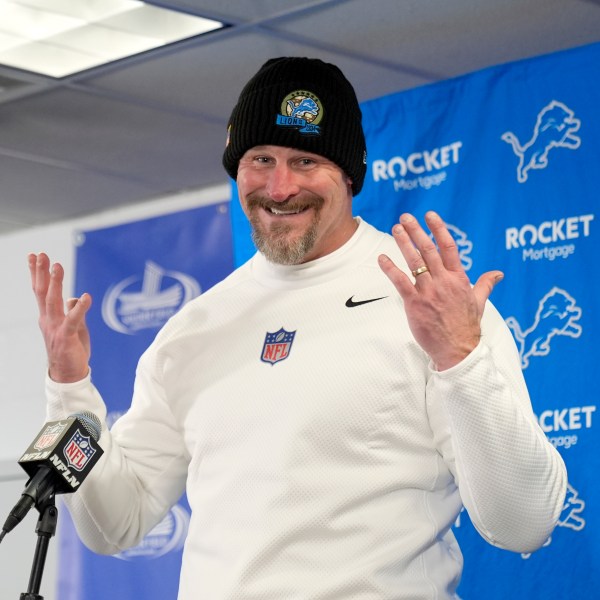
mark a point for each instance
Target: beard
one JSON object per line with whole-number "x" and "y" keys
{"x": 276, "y": 242}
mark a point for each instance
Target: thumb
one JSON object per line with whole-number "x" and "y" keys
{"x": 77, "y": 309}
{"x": 81, "y": 305}
{"x": 485, "y": 285}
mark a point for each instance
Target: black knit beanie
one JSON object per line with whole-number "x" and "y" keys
{"x": 301, "y": 103}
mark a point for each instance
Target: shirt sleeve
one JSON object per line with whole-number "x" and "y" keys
{"x": 511, "y": 479}
{"x": 142, "y": 471}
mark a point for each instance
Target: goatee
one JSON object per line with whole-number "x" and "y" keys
{"x": 276, "y": 243}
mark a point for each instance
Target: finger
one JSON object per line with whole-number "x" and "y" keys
{"x": 411, "y": 254}
{"x": 71, "y": 302}
{"x": 424, "y": 250}
{"x": 40, "y": 277}
{"x": 78, "y": 314}
{"x": 77, "y": 309}
{"x": 31, "y": 262}
{"x": 55, "y": 307}
{"x": 400, "y": 279}
{"x": 446, "y": 244}
{"x": 485, "y": 285}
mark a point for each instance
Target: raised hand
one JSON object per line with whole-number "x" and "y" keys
{"x": 444, "y": 311}
{"x": 63, "y": 326}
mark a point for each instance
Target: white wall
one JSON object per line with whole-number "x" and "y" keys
{"x": 23, "y": 364}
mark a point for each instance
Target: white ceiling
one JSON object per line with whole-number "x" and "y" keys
{"x": 155, "y": 124}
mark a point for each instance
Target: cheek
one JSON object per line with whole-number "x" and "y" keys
{"x": 244, "y": 208}
{"x": 245, "y": 187}
{"x": 249, "y": 181}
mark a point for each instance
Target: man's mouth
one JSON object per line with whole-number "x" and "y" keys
{"x": 290, "y": 208}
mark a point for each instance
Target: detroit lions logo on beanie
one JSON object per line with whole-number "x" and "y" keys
{"x": 302, "y": 110}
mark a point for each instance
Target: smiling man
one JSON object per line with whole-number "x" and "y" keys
{"x": 333, "y": 404}
{"x": 295, "y": 151}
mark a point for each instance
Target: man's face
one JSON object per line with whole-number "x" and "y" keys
{"x": 298, "y": 203}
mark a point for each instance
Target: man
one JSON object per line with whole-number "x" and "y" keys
{"x": 327, "y": 414}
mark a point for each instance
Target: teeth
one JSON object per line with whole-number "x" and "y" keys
{"x": 277, "y": 211}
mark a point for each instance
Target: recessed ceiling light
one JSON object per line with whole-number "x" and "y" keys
{"x": 62, "y": 37}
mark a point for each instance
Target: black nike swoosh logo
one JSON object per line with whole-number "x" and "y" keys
{"x": 351, "y": 303}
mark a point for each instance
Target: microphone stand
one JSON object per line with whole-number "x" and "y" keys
{"x": 45, "y": 529}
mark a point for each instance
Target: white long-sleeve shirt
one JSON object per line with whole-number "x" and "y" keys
{"x": 335, "y": 473}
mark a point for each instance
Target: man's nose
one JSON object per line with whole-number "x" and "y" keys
{"x": 282, "y": 183}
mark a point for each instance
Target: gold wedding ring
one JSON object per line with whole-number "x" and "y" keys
{"x": 420, "y": 270}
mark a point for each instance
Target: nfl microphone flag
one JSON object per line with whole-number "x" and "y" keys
{"x": 66, "y": 447}
{"x": 57, "y": 461}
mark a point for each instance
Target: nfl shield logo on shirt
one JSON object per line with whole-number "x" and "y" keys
{"x": 277, "y": 346}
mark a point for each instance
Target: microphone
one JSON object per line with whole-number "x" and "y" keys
{"x": 57, "y": 461}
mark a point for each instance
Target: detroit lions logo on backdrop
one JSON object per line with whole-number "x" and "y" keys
{"x": 301, "y": 110}
{"x": 570, "y": 516}
{"x": 168, "y": 536}
{"x": 148, "y": 301}
{"x": 571, "y": 513}
{"x": 555, "y": 128}
{"x": 557, "y": 314}
{"x": 463, "y": 245}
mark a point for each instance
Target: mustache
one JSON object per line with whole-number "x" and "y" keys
{"x": 295, "y": 204}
